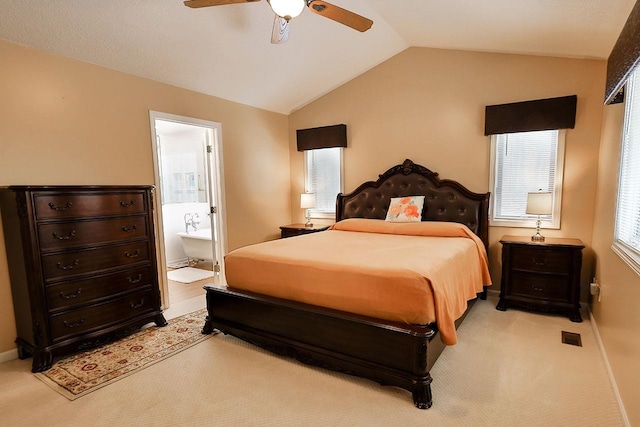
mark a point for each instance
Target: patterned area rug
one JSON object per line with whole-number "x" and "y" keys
{"x": 82, "y": 373}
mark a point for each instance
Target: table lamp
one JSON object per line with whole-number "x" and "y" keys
{"x": 539, "y": 203}
{"x": 308, "y": 201}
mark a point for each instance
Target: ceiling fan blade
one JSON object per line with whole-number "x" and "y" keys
{"x": 340, "y": 15}
{"x": 206, "y": 3}
{"x": 280, "y": 32}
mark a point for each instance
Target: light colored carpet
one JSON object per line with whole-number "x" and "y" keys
{"x": 508, "y": 369}
{"x": 189, "y": 275}
{"x": 88, "y": 371}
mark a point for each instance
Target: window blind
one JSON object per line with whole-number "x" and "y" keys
{"x": 324, "y": 178}
{"x": 628, "y": 205}
{"x": 525, "y": 162}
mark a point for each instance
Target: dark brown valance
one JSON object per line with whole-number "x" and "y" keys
{"x": 625, "y": 55}
{"x": 322, "y": 137}
{"x": 541, "y": 114}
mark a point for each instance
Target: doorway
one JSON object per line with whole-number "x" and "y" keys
{"x": 189, "y": 204}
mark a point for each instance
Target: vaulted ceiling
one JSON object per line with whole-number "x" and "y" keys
{"x": 225, "y": 51}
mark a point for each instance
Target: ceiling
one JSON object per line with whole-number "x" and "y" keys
{"x": 225, "y": 51}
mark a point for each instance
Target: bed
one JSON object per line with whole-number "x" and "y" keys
{"x": 371, "y": 342}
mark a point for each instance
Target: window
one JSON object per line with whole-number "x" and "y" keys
{"x": 521, "y": 163}
{"x": 323, "y": 176}
{"x": 627, "y": 227}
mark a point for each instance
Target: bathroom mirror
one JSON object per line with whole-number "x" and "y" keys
{"x": 182, "y": 163}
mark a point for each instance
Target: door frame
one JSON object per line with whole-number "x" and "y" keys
{"x": 220, "y": 248}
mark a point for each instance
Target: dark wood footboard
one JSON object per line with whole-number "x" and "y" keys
{"x": 389, "y": 353}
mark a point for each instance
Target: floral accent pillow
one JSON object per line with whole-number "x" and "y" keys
{"x": 405, "y": 209}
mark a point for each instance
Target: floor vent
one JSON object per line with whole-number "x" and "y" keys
{"x": 571, "y": 338}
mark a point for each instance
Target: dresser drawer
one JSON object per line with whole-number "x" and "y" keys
{"x": 66, "y": 295}
{"x": 541, "y": 260}
{"x": 541, "y": 287}
{"x": 72, "y": 263}
{"x": 99, "y": 316}
{"x": 62, "y": 235}
{"x": 75, "y": 205}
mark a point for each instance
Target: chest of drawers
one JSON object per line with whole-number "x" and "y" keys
{"x": 82, "y": 266}
{"x": 542, "y": 275}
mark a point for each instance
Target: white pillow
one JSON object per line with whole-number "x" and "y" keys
{"x": 405, "y": 209}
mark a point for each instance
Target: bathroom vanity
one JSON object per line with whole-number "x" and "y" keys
{"x": 82, "y": 264}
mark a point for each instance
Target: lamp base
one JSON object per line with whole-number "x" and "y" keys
{"x": 307, "y": 215}
{"x": 537, "y": 238}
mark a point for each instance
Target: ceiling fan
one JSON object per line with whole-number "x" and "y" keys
{"x": 285, "y": 10}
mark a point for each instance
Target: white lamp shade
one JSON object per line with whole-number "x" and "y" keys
{"x": 287, "y": 8}
{"x": 307, "y": 200}
{"x": 539, "y": 203}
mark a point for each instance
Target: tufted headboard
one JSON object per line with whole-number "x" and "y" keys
{"x": 445, "y": 200}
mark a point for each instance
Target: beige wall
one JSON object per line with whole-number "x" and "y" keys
{"x": 617, "y": 314}
{"x": 68, "y": 122}
{"x": 428, "y": 105}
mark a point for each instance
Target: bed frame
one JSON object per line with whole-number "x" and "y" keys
{"x": 387, "y": 352}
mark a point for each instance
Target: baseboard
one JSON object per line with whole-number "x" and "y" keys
{"x": 494, "y": 292}
{"x": 607, "y": 366}
{"x": 9, "y": 355}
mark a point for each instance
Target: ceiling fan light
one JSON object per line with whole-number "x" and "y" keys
{"x": 287, "y": 8}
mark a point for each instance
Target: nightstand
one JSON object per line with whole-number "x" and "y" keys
{"x": 541, "y": 275}
{"x": 298, "y": 229}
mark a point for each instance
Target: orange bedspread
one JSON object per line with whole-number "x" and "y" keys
{"x": 413, "y": 273}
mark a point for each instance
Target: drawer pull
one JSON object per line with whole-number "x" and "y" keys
{"x": 538, "y": 263}
{"x": 537, "y": 289}
{"x": 126, "y": 205}
{"x": 74, "y": 324}
{"x": 138, "y": 305}
{"x": 71, "y": 295}
{"x": 133, "y": 255}
{"x": 60, "y": 208}
{"x": 69, "y": 236}
{"x": 62, "y": 266}
{"x": 129, "y": 230}
{"x": 136, "y": 280}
